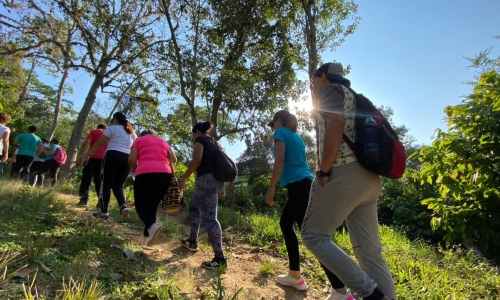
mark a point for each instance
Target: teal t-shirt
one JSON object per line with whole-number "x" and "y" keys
{"x": 27, "y": 144}
{"x": 295, "y": 167}
{"x": 52, "y": 146}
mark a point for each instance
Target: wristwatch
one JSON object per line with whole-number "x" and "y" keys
{"x": 320, "y": 173}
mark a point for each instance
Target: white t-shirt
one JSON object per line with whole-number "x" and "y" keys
{"x": 3, "y": 129}
{"x": 119, "y": 139}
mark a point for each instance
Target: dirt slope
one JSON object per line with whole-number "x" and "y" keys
{"x": 243, "y": 272}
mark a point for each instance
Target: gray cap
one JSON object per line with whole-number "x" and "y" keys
{"x": 330, "y": 68}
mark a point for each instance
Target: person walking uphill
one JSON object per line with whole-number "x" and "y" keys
{"x": 4, "y": 140}
{"x": 114, "y": 169}
{"x": 50, "y": 164}
{"x": 92, "y": 167}
{"x": 206, "y": 196}
{"x": 343, "y": 190}
{"x": 28, "y": 144}
{"x": 291, "y": 168}
{"x": 149, "y": 157}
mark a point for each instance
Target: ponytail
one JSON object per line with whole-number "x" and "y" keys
{"x": 202, "y": 127}
{"x": 122, "y": 120}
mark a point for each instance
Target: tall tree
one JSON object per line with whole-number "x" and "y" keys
{"x": 233, "y": 60}
{"x": 115, "y": 35}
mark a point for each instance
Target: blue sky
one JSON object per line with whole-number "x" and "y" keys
{"x": 408, "y": 55}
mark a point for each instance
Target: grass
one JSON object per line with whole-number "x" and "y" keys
{"x": 78, "y": 258}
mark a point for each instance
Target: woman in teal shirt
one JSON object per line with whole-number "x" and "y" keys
{"x": 291, "y": 169}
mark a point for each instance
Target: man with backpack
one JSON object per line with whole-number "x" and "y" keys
{"x": 54, "y": 159}
{"x": 344, "y": 190}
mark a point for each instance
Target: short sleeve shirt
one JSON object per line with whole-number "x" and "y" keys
{"x": 3, "y": 130}
{"x": 27, "y": 144}
{"x": 119, "y": 139}
{"x": 94, "y": 136}
{"x": 208, "y": 159}
{"x": 52, "y": 147}
{"x": 295, "y": 167}
{"x": 336, "y": 98}
{"x": 152, "y": 155}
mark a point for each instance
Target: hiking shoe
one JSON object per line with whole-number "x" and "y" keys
{"x": 99, "y": 215}
{"x": 82, "y": 203}
{"x": 214, "y": 264}
{"x": 154, "y": 232}
{"x": 334, "y": 295}
{"x": 124, "y": 216}
{"x": 192, "y": 246}
{"x": 287, "y": 279}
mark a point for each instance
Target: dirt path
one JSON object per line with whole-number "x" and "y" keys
{"x": 244, "y": 262}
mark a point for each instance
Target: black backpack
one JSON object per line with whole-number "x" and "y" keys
{"x": 226, "y": 170}
{"x": 391, "y": 162}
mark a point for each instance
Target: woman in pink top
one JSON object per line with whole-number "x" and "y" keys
{"x": 152, "y": 161}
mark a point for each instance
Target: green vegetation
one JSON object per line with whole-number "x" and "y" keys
{"x": 79, "y": 258}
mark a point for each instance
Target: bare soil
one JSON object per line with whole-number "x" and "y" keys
{"x": 244, "y": 263}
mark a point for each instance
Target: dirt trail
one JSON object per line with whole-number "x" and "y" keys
{"x": 244, "y": 262}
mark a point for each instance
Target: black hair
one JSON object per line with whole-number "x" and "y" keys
{"x": 122, "y": 120}
{"x": 102, "y": 126}
{"x": 54, "y": 141}
{"x": 32, "y": 129}
{"x": 202, "y": 127}
{"x": 148, "y": 132}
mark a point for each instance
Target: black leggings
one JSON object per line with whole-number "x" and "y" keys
{"x": 114, "y": 172}
{"x": 294, "y": 212}
{"x": 149, "y": 189}
{"x": 91, "y": 170}
{"x": 52, "y": 167}
{"x": 22, "y": 162}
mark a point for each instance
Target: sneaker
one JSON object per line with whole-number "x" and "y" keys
{"x": 299, "y": 284}
{"x": 334, "y": 295}
{"x": 99, "y": 215}
{"x": 82, "y": 203}
{"x": 154, "y": 232}
{"x": 125, "y": 212}
{"x": 192, "y": 246}
{"x": 213, "y": 264}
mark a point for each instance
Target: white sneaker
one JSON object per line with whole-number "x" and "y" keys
{"x": 299, "y": 284}
{"x": 154, "y": 232}
{"x": 334, "y": 295}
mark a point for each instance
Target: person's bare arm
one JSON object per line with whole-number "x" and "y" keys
{"x": 5, "y": 142}
{"x": 193, "y": 165}
{"x": 132, "y": 159}
{"x": 279, "y": 161}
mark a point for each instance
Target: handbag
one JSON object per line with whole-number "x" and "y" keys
{"x": 173, "y": 200}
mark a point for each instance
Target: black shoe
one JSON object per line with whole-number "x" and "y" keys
{"x": 192, "y": 246}
{"x": 214, "y": 264}
{"x": 100, "y": 216}
{"x": 82, "y": 203}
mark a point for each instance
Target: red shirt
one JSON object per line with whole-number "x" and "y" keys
{"x": 94, "y": 136}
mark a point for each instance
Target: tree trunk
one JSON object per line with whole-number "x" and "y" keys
{"x": 76, "y": 134}
{"x": 57, "y": 110}
{"x": 26, "y": 86}
{"x": 312, "y": 51}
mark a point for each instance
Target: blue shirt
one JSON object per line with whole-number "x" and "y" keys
{"x": 52, "y": 146}
{"x": 295, "y": 167}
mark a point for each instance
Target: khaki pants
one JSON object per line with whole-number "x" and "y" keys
{"x": 350, "y": 195}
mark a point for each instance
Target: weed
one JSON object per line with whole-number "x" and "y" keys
{"x": 268, "y": 269}
{"x": 218, "y": 287}
{"x": 74, "y": 290}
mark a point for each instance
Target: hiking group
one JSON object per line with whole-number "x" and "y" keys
{"x": 345, "y": 188}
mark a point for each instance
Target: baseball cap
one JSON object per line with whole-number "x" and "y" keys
{"x": 282, "y": 114}
{"x": 331, "y": 68}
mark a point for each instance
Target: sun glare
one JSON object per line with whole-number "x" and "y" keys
{"x": 305, "y": 103}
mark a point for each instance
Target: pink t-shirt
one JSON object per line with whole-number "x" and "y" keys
{"x": 94, "y": 136}
{"x": 152, "y": 155}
